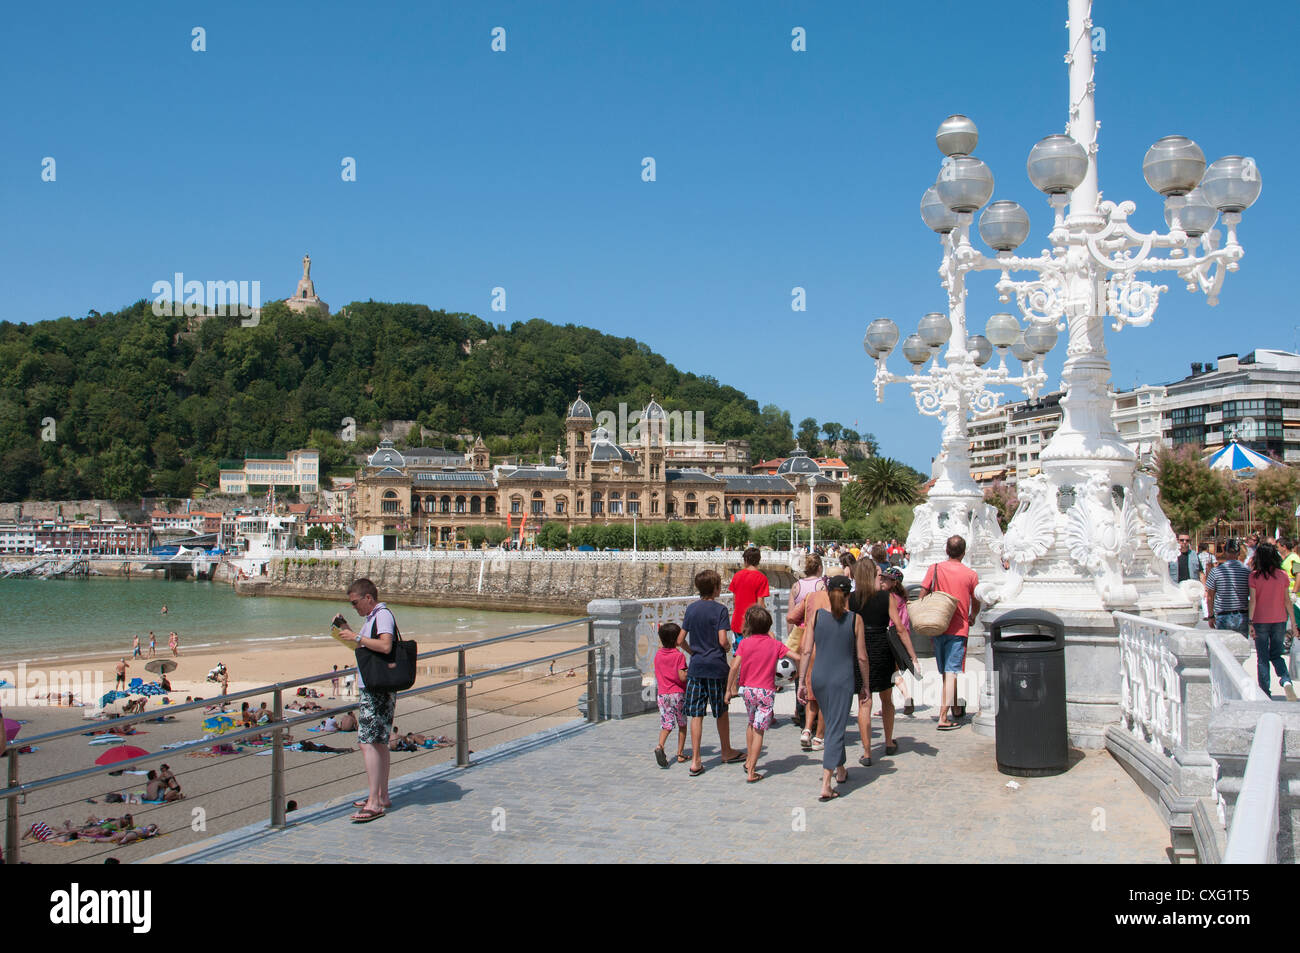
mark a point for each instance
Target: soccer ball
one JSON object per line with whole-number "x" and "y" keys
{"x": 785, "y": 672}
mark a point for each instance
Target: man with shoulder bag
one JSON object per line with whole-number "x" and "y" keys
{"x": 957, "y": 581}
{"x": 385, "y": 665}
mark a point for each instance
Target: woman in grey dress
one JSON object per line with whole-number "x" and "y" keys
{"x": 836, "y": 636}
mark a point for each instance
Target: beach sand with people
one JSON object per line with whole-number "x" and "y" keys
{"x": 224, "y": 792}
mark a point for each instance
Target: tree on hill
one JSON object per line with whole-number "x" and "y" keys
{"x": 115, "y": 384}
{"x": 807, "y": 435}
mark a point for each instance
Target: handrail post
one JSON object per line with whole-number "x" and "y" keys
{"x": 462, "y": 714}
{"x": 277, "y": 762}
{"x": 593, "y": 697}
{"x": 11, "y": 813}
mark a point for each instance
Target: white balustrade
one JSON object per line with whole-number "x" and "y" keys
{"x": 1150, "y": 693}
{"x": 1253, "y": 838}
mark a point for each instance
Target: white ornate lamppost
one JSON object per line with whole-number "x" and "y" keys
{"x": 963, "y": 382}
{"x": 1089, "y": 536}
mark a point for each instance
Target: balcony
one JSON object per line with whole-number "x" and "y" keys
{"x": 1214, "y": 417}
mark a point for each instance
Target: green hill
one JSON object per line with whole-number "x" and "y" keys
{"x": 141, "y": 404}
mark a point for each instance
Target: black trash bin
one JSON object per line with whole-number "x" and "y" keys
{"x": 1029, "y": 658}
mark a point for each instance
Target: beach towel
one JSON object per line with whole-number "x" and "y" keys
{"x": 41, "y": 831}
{"x": 106, "y": 740}
{"x": 180, "y": 744}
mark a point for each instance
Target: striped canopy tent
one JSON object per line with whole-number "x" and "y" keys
{"x": 1235, "y": 457}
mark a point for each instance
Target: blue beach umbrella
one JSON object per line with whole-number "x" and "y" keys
{"x": 1235, "y": 457}
{"x": 218, "y": 724}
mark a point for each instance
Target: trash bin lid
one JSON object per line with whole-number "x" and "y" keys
{"x": 1027, "y": 630}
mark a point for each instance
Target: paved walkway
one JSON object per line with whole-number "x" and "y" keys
{"x": 582, "y": 794}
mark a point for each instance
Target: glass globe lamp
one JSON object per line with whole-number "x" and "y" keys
{"x": 1004, "y": 225}
{"x": 1173, "y": 165}
{"x": 1021, "y": 351}
{"x": 1002, "y": 330}
{"x": 1057, "y": 164}
{"x": 915, "y": 350}
{"x": 935, "y": 214}
{"x": 957, "y": 135}
{"x": 1231, "y": 184}
{"x": 934, "y": 329}
{"x": 965, "y": 183}
{"x": 1040, "y": 336}
{"x": 980, "y": 349}
{"x": 882, "y": 335}
{"x": 1197, "y": 216}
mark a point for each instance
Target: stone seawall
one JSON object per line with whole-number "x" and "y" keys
{"x": 495, "y": 583}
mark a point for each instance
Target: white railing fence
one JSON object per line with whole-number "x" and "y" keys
{"x": 1151, "y": 706}
{"x": 1229, "y": 681}
{"x": 1253, "y": 837}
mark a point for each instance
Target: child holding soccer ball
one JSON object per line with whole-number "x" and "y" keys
{"x": 670, "y": 683}
{"x": 754, "y": 670}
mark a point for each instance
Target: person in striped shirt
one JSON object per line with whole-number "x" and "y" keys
{"x": 1227, "y": 591}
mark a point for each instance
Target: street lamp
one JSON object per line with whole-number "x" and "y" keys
{"x": 1089, "y": 515}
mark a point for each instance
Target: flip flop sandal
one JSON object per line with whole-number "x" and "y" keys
{"x": 736, "y": 760}
{"x": 948, "y": 727}
{"x": 805, "y": 740}
{"x": 696, "y": 772}
{"x": 866, "y": 761}
{"x": 682, "y": 759}
{"x": 891, "y": 748}
{"x": 661, "y": 758}
{"x": 365, "y": 817}
{"x": 829, "y": 797}
{"x": 362, "y": 803}
{"x": 755, "y": 779}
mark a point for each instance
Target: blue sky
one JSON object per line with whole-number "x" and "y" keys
{"x": 522, "y": 169}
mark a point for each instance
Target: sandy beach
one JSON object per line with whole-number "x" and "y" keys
{"x": 226, "y": 792}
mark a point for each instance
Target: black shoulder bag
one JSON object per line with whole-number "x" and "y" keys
{"x": 394, "y": 672}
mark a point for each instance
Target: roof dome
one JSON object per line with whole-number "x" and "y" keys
{"x": 798, "y": 462}
{"x": 652, "y": 410}
{"x": 386, "y": 456}
{"x": 580, "y": 410}
{"x": 604, "y": 448}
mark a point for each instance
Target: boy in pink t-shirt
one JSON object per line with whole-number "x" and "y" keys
{"x": 754, "y": 670}
{"x": 670, "y": 683}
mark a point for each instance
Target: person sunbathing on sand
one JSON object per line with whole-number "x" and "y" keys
{"x": 347, "y": 722}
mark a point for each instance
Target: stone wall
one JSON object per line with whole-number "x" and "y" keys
{"x": 105, "y": 510}
{"x": 494, "y": 583}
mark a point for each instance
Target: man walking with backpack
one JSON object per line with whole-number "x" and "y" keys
{"x": 957, "y": 580}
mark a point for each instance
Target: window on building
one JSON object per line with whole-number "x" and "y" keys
{"x": 516, "y": 505}
{"x": 460, "y": 504}
{"x": 539, "y": 504}
{"x": 560, "y": 504}
{"x": 749, "y": 507}
{"x": 713, "y": 506}
{"x": 475, "y": 504}
{"x": 634, "y": 504}
{"x": 597, "y": 504}
{"x": 691, "y": 508}
{"x": 491, "y": 504}
{"x": 823, "y": 506}
{"x": 654, "y": 504}
{"x": 389, "y": 503}
{"x": 616, "y": 504}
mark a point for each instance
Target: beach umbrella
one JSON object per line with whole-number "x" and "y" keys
{"x": 161, "y": 665}
{"x": 11, "y": 729}
{"x": 218, "y": 724}
{"x": 1235, "y": 457}
{"x": 120, "y": 753}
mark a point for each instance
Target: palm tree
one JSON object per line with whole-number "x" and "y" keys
{"x": 884, "y": 481}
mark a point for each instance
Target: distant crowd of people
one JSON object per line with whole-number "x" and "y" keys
{"x": 1250, "y": 588}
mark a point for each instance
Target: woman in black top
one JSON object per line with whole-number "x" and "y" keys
{"x": 878, "y": 610}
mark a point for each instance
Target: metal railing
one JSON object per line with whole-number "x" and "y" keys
{"x": 16, "y": 789}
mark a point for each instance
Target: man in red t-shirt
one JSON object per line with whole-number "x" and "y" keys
{"x": 749, "y": 587}
{"x": 958, "y": 580}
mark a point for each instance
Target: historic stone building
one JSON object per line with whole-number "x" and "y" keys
{"x": 595, "y": 481}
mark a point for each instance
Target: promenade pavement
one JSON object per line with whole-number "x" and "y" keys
{"x": 583, "y": 794}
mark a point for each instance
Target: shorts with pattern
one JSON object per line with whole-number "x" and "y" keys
{"x": 758, "y": 705}
{"x": 375, "y": 716}
{"x": 705, "y": 693}
{"x": 672, "y": 711}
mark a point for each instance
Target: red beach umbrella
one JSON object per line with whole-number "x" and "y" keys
{"x": 11, "y": 729}
{"x": 120, "y": 753}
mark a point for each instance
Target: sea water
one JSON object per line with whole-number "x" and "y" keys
{"x": 46, "y": 620}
